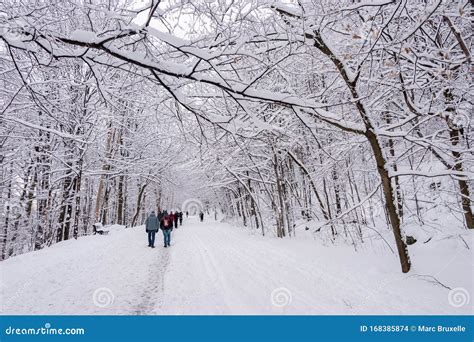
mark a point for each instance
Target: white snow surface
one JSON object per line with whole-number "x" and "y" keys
{"x": 215, "y": 268}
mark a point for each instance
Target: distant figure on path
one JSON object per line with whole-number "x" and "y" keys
{"x": 201, "y": 216}
{"x": 175, "y": 219}
{"x": 180, "y": 216}
{"x": 151, "y": 228}
{"x": 166, "y": 224}
{"x": 172, "y": 215}
{"x": 187, "y": 214}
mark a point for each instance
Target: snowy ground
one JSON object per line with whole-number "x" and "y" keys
{"x": 213, "y": 268}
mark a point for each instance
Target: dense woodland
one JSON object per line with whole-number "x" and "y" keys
{"x": 351, "y": 116}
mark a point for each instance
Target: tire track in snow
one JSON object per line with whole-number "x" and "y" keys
{"x": 212, "y": 270}
{"x": 237, "y": 274}
{"x": 327, "y": 290}
{"x": 247, "y": 267}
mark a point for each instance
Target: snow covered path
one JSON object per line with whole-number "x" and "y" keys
{"x": 213, "y": 268}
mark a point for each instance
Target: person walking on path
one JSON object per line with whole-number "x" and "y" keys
{"x": 180, "y": 216}
{"x": 166, "y": 224}
{"x": 175, "y": 219}
{"x": 160, "y": 215}
{"x": 201, "y": 216}
{"x": 151, "y": 228}
{"x": 172, "y": 217}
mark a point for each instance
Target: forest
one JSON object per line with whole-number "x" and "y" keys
{"x": 341, "y": 119}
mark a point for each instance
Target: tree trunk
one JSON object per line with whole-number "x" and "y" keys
{"x": 391, "y": 149}
{"x": 455, "y": 138}
{"x": 139, "y": 204}
{"x": 336, "y": 190}
{"x": 252, "y": 203}
{"x": 120, "y": 200}
{"x": 313, "y": 186}
{"x": 281, "y": 221}
{"x": 105, "y": 168}
{"x": 7, "y": 214}
{"x": 77, "y": 193}
{"x": 389, "y": 195}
